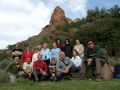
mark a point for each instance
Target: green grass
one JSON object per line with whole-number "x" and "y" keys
{"x": 64, "y": 85}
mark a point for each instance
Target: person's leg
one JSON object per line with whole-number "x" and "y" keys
{"x": 36, "y": 75}
{"x": 12, "y": 78}
{"x": 25, "y": 75}
{"x": 77, "y": 69}
{"x": 43, "y": 77}
{"x": 32, "y": 77}
{"x": 99, "y": 63}
{"x": 73, "y": 68}
{"x": 83, "y": 70}
{"x": 92, "y": 70}
{"x": 98, "y": 66}
{"x": 59, "y": 75}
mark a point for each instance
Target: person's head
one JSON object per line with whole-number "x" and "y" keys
{"x": 53, "y": 61}
{"x": 77, "y": 42}
{"x": 17, "y": 45}
{"x": 90, "y": 44}
{"x": 54, "y": 45}
{"x": 16, "y": 59}
{"x": 67, "y": 42}
{"x": 45, "y": 45}
{"x": 39, "y": 57}
{"x": 62, "y": 55}
{"x": 28, "y": 49}
{"x": 58, "y": 41}
{"x": 39, "y": 46}
{"x": 37, "y": 50}
{"x": 75, "y": 52}
{"x": 28, "y": 60}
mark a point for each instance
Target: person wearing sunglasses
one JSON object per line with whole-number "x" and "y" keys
{"x": 94, "y": 59}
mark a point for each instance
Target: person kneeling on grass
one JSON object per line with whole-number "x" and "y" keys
{"x": 27, "y": 67}
{"x": 40, "y": 69}
{"x": 52, "y": 69}
{"x": 64, "y": 66}
{"x": 15, "y": 68}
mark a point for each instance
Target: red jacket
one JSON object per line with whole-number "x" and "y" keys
{"x": 60, "y": 46}
{"x": 37, "y": 65}
{"x": 25, "y": 55}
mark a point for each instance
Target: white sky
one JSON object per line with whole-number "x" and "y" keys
{"x": 20, "y": 19}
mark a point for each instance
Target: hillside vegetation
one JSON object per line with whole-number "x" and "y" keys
{"x": 100, "y": 25}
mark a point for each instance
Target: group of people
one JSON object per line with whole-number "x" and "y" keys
{"x": 53, "y": 64}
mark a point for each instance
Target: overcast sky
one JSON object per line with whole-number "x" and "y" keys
{"x": 20, "y": 19}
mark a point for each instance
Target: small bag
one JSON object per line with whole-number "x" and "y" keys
{"x": 106, "y": 72}
{"x": 117, "y": 71}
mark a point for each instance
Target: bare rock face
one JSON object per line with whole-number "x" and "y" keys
{"x": 57, "y": 19}
{"x": 76, "y": 20}
{"x": 69, "y": 20}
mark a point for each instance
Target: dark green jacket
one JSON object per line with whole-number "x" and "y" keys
{"x": 14, "y": 69}
{"x": 94, "y": 53}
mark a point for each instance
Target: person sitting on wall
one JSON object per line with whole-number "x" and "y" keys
{"x": 94, "y": 59}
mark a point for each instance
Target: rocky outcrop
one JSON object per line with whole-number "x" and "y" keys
{"x": 76, "y": 20}
{"x": 69, "y": 20}
{"x": 57, "y": 19}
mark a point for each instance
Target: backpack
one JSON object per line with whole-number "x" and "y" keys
{"x": 117, "y": 71}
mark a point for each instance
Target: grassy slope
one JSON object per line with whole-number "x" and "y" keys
{"x": 64, "y": 85}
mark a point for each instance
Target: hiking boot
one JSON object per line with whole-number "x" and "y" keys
{"x": 98, "y": 78}
{"x": 82, "y": 76}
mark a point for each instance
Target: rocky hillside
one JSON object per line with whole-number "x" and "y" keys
{"x": 58, "y": 19}
{"x": 100, "y": 25}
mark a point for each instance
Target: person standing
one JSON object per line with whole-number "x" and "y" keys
{"x": 26, "y": 54}
{"x": 55, "y": 52}
{"x": 46, "y": 54}
{"x": 34, "y": 58}
{"x": 59, "y": 44}
{"x": 68, "y": 48}
{"x": 17, "y": 51}
{"x": 80, "y": 49}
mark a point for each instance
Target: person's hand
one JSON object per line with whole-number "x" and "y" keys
{"x": 20, "y": 53}
{"x": 29, "y": 74}
{"x": 89, "y": 61}
{"x": 66, "y": 70}
{"x": 41, "y": 70}
{"x": 18, "y": 66}
{"x": 44, "y": 73}
{"x": 13, "y": 53}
